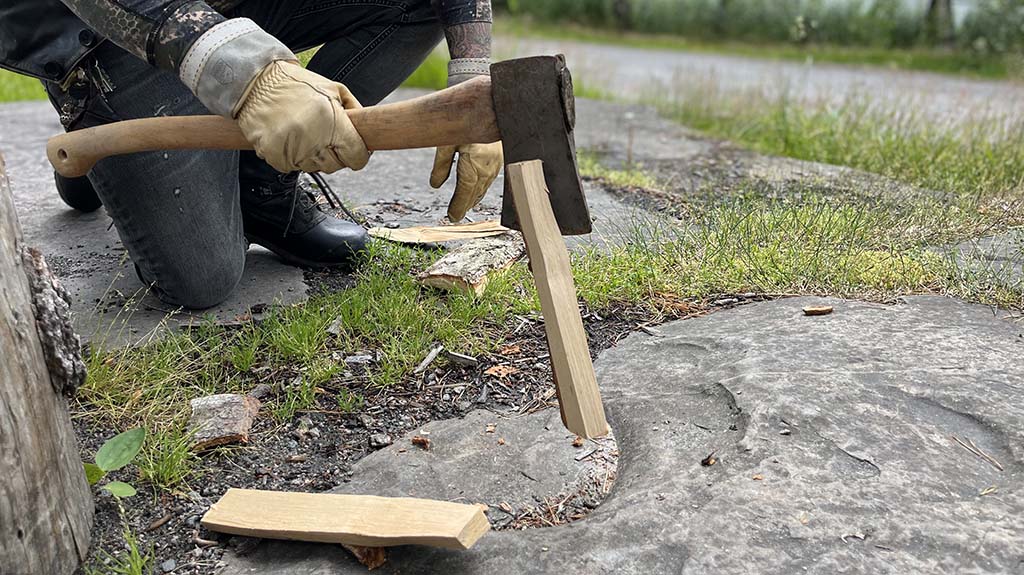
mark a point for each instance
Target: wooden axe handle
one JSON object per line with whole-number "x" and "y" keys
{"x": 463, "y": 114}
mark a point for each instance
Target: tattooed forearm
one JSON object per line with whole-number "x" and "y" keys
{"x": 145, "y": 28}
{"x": 472, "y": 40}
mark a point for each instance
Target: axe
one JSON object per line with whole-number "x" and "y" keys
{"x": 527, "y": 103}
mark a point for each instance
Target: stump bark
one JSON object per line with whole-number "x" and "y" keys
{"x": 46, "y": 507}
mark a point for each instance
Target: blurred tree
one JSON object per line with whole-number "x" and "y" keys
{"x": 939, "y": 22}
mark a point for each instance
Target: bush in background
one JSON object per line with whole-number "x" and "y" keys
{"x": 995, "y": 26}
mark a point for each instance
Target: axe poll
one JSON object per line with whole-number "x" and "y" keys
{"x": 526, "y": 103}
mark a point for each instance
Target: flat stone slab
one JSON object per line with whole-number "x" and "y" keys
{"x": 877, "y": 439}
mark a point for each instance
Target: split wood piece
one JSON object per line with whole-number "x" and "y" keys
{"x": 469, "y": 267}
{"x": 359, "y": 520}
{"x": 578, "y": 395}
{"x": 222, "y": 419}
{"x": 439, "y": 234}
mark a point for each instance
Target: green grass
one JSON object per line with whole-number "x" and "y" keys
{"x": 982, "y": 65}
{"x": 982, "y": 158}
{"x": 15, "y": 87}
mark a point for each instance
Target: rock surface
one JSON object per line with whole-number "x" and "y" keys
{"x": 840, "y": 445}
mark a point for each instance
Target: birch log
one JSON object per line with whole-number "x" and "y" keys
{"x": 46, "y": 507}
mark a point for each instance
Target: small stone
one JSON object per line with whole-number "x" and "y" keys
{"x": 365, "y": 420}
{"x": 786, "y": 432}
{"x": 379, "y": 440}
{"x": 359, "y": 359}
{"x": 261, "y": 391}
{"x": 392, "y": 225}
{"x": 335, "y": 327}
{"x": 169, "y": 565}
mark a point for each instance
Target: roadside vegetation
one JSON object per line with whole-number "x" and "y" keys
{"x": 986, "y": 42}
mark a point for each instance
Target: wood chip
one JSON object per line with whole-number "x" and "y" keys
{"x": 578, "y": 442}
{"x": 709, "y": 460}
{"x": 758, "y": 477}
{"x": 440, "y": 234}
{"x": 813, "y": 310}
{"x": 422, "y": 442}
{"x": 431, "y": 356}
{"x": 510, "y": 350}
{"x": 370, "y": 557}
{"x": 461, "y": 359}
{"x": 491, "y": 427}
{"x": 501, "y": 371}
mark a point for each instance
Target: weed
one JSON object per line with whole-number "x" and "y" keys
{"x": 115, "y": 453}
{"x": 349, "y": 402}
{"x": 633, "y": 176}
{"x": 167, "y": 459}
{"x": 132, "y": 561}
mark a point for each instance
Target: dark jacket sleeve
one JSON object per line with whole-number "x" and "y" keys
{"x": 455, "y": 12}
{"x": 158, "y": 31}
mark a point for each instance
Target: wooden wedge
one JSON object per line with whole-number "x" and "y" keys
{"x": 439, "y": 234}
{"x": 361, "y": 520}
{"x": 578, "y": 395}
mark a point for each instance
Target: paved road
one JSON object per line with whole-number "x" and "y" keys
{"x": 642, "y": 73}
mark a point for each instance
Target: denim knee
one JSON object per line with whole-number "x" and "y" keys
{"x": 200, "y": 285}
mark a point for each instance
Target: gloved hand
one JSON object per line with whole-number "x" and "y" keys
{"x": 296, "y": 120}
{"x": 479, "y": 165}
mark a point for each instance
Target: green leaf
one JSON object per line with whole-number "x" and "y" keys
{"x": 119, "y": 450}
{"x": 93, "y": 473}
{"x": 119, "y": 489}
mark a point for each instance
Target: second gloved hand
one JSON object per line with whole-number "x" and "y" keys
{"x": 479, "y": 165}
{"x": 295, "y": 119}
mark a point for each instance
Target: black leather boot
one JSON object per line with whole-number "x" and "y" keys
{"x": 281, "y": 214}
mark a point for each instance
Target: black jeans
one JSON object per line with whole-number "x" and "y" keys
{"x": 177, "y": 212}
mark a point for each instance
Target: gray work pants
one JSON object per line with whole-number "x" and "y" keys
{"x": 177, "y": 212}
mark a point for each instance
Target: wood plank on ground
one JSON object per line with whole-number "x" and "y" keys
{"x": 469, "y": 267}
{"x": 360, "y": 520}
{"x": 578, "y": 395}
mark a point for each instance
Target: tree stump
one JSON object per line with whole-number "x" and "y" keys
{"x": 46, "y": 507}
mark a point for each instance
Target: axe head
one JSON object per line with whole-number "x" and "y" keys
{"x": 536, "y": 112}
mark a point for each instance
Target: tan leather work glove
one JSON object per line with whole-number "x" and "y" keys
{"x": 479, "y": 165}
{"x": 295, "y": 119}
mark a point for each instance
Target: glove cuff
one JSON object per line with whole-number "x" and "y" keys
{"x": 221, "y": 64}
{"x": 462, "y": 69}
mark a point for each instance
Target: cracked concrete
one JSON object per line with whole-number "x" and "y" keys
{"x": 878, "y": 439}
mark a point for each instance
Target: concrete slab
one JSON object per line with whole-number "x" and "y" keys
{"x": 878, "y": 439}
